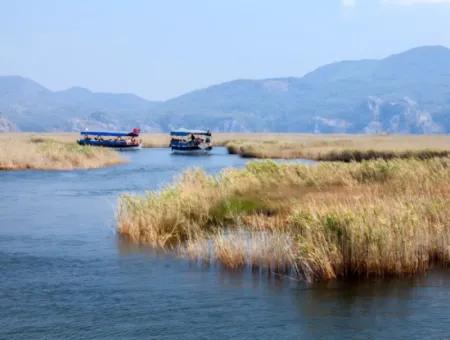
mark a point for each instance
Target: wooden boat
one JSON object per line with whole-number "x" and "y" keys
{"x": 117, "y": 140}
{"x": 190, "y": 141}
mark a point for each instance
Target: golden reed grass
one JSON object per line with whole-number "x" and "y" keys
{"x": 326, "y": 147}
{"x": 329, "y": 147}
{"x": 20, "y": 151}
{"x": 340, "y": 147}
{"x": 326, "y": 221}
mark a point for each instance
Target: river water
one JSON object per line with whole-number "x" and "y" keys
{"x": 65, "y": 274}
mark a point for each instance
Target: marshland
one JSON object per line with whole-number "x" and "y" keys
{"x": 21, "y": 151}
{"x": 325, "y": 221}
{"x": 207, "y": 236}
{"x": 338, "y": 147}
{"x": 59, "y": 150}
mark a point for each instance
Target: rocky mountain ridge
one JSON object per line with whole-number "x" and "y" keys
{"x": 403, "y": 93}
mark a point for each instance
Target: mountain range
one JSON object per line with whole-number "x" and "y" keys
{"x": 403, "y": 93}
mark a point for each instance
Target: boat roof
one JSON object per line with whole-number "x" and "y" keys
{"x": 109, "y": 133}
{"x": 186, "y": 132}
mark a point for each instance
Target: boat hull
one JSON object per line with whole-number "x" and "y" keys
{"x": 190, "y": 150}
{"x": 122, "y": 146}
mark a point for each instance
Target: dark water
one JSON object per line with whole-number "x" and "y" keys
{"x": 65, "y": 275}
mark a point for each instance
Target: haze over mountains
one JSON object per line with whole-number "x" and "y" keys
{"x": 403, "y": 93}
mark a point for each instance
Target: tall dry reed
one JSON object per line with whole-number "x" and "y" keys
{"x": 325, "y": 221}
{"x": 19, "y": 151}
{"x": 346, "y": 149}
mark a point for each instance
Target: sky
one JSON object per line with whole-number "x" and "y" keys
{"x": 162, "y": 49}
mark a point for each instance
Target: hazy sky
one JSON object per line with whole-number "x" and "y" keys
{"x": 160, "y": 49}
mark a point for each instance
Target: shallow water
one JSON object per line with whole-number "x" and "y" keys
{"x": 64, "y": 273}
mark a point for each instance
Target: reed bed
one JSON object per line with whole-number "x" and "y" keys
{"x": 330, "y": 147}
{"x": 31, "y": 151}
{"x": 155, "y": 140}
{"x": 331, "y": 220}
{"x": 324, "y": 147}
{"x": 341, "y": 147}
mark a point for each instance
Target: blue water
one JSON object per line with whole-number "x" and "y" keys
{"x": 65, "y": 274}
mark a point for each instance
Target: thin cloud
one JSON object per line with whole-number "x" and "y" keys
{"x": 348, "y": 3}
{"x": 416, "y": 2}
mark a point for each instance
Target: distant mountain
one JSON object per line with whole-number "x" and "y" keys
{"x": 407, "y": 92}
{"x": 404, "y": 93}
{"x": 31, "y": 107}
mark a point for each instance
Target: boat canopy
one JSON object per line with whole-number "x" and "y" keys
{"x": 185, "y": 132}
{"x": 134, "y": 133}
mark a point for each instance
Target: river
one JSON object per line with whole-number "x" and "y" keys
{"x": 65, "y": 274}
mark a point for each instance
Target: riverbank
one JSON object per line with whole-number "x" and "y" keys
{"x": 21, "y": 151}
{"x": 340, "y": 147}
{"x": 332, "y": 220}
{"x": 322, "y": 147}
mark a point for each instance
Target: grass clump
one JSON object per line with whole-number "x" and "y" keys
{"x": 327, "y": 221}
{"x": 228, "y": 208}
{"x": 20, "y": 151}
{"x": 373, "y": 240}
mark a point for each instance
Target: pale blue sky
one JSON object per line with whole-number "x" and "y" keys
{"x": 160, "y": 49}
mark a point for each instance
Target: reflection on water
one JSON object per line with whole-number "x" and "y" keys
{"x": 64, "y": 273}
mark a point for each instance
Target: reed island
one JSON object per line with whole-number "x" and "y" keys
{"x": 375, "y": 218}
{"x": 21, "y": 151}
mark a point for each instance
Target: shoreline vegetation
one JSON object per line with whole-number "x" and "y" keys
{"x": 319, "y": 147}
{"x": 20, "y": 151}
{"x": 322, "y": 147}
{"x": 332, "y": 220}
{"x": 344, "y": 148}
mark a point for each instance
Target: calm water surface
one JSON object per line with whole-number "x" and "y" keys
{"x": 64, "y": 274}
